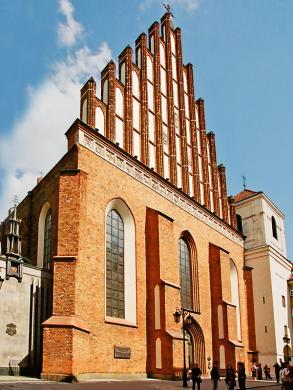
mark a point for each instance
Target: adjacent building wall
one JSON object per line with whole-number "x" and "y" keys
{"x": 24, "y": 306}
{"x": 266, "y": 254}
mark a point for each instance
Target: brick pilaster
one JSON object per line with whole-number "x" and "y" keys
{"x": 203, "y": 141}
{"x": 216, "y": 289}
{"x": 126, "y": 58}
{"x": 65, "y": 328}
{"x": 193, "y": 125}
{"x": 247, "y": 275}
{"x": 233, "y": 221}
{"x": 182, "y": 116}
{"x": 167, "y": 23}
{"x": 213, "y": 159}
{"x": 88, "y": 91}
{"x": 222, "y": 172}
{"x": 109, "y": 73}
{"x": 155, "y": 31}
{"x": 141, "y": 43}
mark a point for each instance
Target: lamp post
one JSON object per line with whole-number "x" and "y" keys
{"x": 186, "y": 320}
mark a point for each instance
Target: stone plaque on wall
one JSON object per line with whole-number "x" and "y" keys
{"x": 11, "y": 329}
{"x": 122, "y": 352}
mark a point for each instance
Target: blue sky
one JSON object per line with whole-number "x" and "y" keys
{"x": 242, "y": 52}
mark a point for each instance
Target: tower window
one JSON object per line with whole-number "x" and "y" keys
{"x": 263, "y": 300}
{"x": 285, "y": 331}
{"x": 283, "y": 301}
{"x": 239, "y": 223}
{"x": 274, "y": 228}
{"x": 266, "y": 329}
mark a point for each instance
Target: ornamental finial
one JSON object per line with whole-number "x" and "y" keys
{"x": 168, "y": 9}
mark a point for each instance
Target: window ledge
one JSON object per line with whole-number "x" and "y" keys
{"x": 119, "y": 321}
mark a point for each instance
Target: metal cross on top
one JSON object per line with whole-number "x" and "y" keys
{"x": 244, "y": 181}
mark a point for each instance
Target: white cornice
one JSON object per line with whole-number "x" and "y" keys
{"x": 126, "y": 164}
{"x": 267, "y": 250}
{"x": 263, "y": 196}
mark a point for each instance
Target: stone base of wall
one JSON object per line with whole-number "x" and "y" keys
{"x": 167, "y": 377}
{"x": 17, "y": 371}
{"x": 92, "y": 376}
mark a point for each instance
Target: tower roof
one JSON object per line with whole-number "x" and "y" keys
{"x": 245, "y": 194}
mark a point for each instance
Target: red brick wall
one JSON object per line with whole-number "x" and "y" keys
{"x": 217, "y": 299}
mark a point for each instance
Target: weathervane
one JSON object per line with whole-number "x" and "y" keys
{"x": 168, "y": 9}
{"x": 244, "y": 182}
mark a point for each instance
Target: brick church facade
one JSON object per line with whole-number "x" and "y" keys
{"x": 133, "y": 222}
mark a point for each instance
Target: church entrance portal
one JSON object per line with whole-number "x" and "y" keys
{"x": 196, "y": 346}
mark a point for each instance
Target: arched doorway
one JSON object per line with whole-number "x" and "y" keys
{"x": 287, "y": 353}
{"x": 196, "y": 346}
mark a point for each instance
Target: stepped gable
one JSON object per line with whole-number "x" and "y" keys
{"x": 151, "y": 111}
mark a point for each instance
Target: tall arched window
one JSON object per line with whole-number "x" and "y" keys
{"x": 115, "y": 265}
{"x": 274, "y": 228}
{"x": 120, "y": 263}
{"x": 185, "y": 274}
{"x": 44, "y": 237}
{"x": 47, "y": 241}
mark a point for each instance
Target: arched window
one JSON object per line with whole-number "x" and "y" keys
{"x": 115, "y": 265}
{"x": 239, "y": 223}
{"x": 47, "y": 241}
{"x": 120, "y": 263}
{"x": 274, "y": 228}
{"x": 185, "y": 274}
{"x": 44, "y": 237}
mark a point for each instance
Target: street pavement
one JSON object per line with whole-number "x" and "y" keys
{"x": 144, "y": 384}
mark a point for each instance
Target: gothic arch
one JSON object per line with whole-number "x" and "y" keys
{"x": 41, "y": 233}
{"x": 187, "y": 237}
{"x": 197, "y": 336}
{"x": 126, "y": 215}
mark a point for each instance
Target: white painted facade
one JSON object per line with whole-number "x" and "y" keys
{"x": 23, "y": 305}
{"x": 267, "y": 256}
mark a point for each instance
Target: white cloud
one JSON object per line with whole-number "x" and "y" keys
{"x": 37, "y": 141}
{"x": 71, "y": 30}
{"x": 188, "y": 5}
